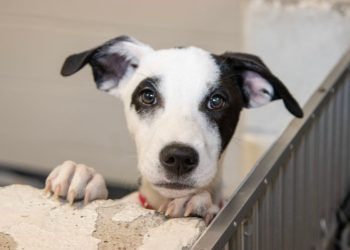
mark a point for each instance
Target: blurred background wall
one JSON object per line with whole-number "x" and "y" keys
{"x": 46, "y": 119}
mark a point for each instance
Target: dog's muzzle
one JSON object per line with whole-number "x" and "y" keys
{"x": 179, "y": 159}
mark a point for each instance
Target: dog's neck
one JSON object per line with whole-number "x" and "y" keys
{"x": 155, "y": 199}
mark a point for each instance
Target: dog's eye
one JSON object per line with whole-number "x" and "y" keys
{"x": 148, "y": 97}
{"x": 216, "y": 102}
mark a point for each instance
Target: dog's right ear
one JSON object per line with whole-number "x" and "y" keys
{"x": 257, "y": 83}
{"x": 112, "y": 63}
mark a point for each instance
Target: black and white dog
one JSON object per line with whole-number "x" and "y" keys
{"x": 182, "y": 106}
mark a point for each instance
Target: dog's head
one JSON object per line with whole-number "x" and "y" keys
{"x": 182, "y": 104}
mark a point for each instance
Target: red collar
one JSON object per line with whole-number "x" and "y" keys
{"x": 144, "y": 202}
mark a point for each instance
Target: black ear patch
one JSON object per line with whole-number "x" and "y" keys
{"x": 110, "y": 68}
{"x": 257, "y": 83}
{"x": 75, "y": 62}
{"x": 110, "y": 62}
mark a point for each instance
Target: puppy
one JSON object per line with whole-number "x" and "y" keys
{"x": 182, "y": 106}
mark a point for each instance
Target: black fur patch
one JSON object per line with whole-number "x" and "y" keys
{"x": 225, "y": 119}
{"x": 232, "y": 66}
{"x": 109, "y": 68}
{"x": 141, "y": 108}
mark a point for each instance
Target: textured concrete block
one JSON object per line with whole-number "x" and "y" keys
{"x": 30, "y": 220}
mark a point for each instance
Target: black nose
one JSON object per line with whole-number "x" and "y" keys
{"x": 179, "y": 159}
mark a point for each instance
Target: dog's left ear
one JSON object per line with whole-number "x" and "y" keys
{"x": 112, "y": 63}
{"x": 258, "y": 85}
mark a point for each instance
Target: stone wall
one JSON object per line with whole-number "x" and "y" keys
{"x": 31, "y": 221}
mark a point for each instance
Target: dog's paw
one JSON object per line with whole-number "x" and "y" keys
{"x": 76, "y": 181}
{"x": 199, "y": 205}
{"x": 202, "y": 205}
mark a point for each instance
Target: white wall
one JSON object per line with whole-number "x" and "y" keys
{"x": 301, "y": 41}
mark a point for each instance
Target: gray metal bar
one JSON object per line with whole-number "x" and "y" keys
{"x": 255, "y": 186}
{"x": 277, "y": 220}
{"x": 312, "y": 197}
{"x": 346, "y": 117}
{"x": 300, "y": 196}
{"x": 255, "y": 227}
{"x": 288, "y": 205}
{"x": 346, "y": 131}
{"x": 342, "y": 150}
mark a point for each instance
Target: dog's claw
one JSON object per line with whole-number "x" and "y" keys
{"x": 188, "y": 210}
{"x": 170, "y": 210}
{"x": 162, "y": 207}
{"x": 57, "y": 192}
{"x": 47, "y": 187}
{"x": 86, "y": 198}
{"x": 71, "y": 196}
{"x": 208, "y": 218}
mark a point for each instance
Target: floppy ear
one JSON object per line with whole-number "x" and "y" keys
{"x": 258, "y": 85}
{"x": 111, "y": 63}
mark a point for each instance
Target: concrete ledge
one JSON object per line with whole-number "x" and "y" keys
{"x": 30, "y": 220}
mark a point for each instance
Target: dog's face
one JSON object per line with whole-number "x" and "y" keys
{"x": 182, "y": 104}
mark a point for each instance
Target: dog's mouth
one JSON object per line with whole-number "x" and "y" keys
{"x": 174, "y": 185}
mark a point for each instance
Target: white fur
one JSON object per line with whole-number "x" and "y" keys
{"x": 186, "y": 75}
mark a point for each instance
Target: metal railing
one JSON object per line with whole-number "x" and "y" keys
{"x": 290, "y": 199}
